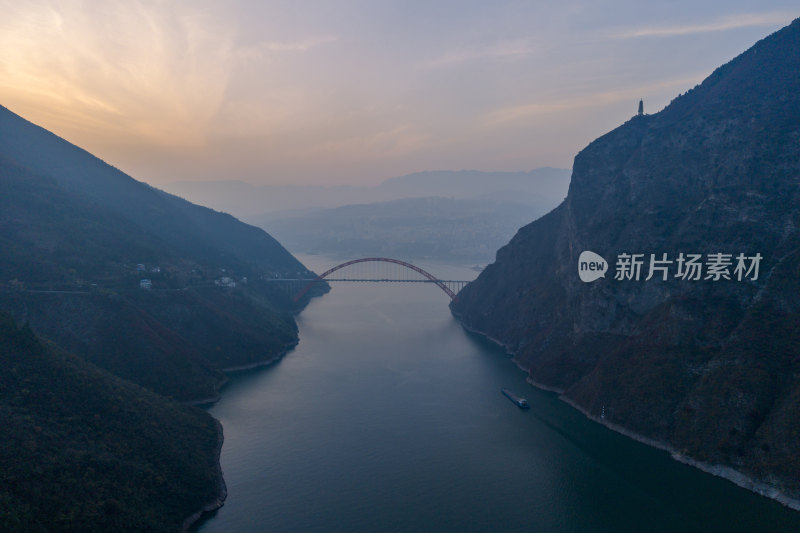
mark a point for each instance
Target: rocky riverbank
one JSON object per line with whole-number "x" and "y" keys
{"x": 739, "y": 478}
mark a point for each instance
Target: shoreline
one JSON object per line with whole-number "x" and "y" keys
{"x": 209, "y": 400}
{"x": 222, "y": 489}
{"x": 288, "y": 347}
{"x": 725, "y": 472}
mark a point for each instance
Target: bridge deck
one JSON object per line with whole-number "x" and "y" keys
{"x": 382, "y": 276}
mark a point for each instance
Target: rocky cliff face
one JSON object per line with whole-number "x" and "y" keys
{"x": 710, "y": 368}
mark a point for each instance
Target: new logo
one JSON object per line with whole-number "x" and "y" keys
{"x": 591, "y": 266}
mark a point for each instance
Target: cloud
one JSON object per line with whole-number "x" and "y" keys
{"x": 748, "y": 20}
{"x": 149, "y": 70}
{"x": 127, "y": 73}
{"x": 265, "y": 49}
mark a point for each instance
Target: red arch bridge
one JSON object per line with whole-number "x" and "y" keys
{"x": 373, "y": 269}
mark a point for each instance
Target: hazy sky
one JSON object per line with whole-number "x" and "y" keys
{"x": 347, "y": 91}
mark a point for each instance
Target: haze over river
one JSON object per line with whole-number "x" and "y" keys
{"x": 388, "y": 416}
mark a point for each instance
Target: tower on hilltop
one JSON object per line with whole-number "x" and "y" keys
{"x": 641, "y": 107}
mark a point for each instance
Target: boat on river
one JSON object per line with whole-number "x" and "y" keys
{"x": 522, "y": 403}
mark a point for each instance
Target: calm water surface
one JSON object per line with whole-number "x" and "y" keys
{"x": 388, "y": 417}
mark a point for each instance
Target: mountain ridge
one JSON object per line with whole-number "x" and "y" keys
{"x": 539, "y": 185}
{"x": 79, "y": 236}
{"x": 703, "y": 367}
{"x": 84, "y": 174}
{"x": 117, "y": 301}
{"x": 459, "y": 230}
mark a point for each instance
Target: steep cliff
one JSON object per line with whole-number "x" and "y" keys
{"x": 707, "y": 367}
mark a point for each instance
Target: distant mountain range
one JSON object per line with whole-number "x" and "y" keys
{"x": 704, "y": 364}
{"x": 458, "y": 230}
{"x": 538, "y": 188}
{"x": 115, "y": 296}
{"x": 461, "y": 216}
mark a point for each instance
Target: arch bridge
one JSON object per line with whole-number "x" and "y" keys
{"x": 385, "y": 275}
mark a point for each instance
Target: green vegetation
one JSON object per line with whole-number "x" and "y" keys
{"x": 76, "y": 245}
{"x": 91, "y": 440}
{"x": 83, "y": 450}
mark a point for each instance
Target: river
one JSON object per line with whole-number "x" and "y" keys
{"x": 388, "y": 416}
